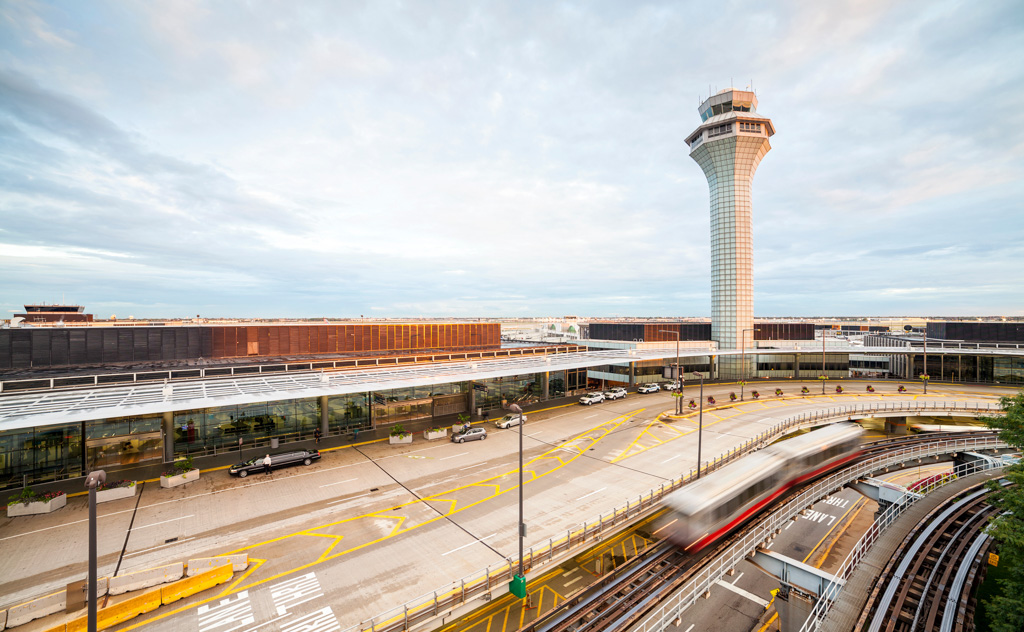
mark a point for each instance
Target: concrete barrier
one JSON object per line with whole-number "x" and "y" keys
{"x": 119, "y": 612}
{"x": 32, "y": 610}
{"x": 3, "y": 619}
{"x": 191, "y": 585}
{"x": 203, "y": 564}
{"x": 138, "y": 580}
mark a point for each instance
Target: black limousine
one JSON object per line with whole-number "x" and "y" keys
{"x": 277, "y": 461}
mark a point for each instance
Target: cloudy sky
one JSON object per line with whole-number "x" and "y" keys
{"x": 403, "y": 159}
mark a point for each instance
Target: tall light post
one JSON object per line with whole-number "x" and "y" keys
{"x": 924, "y": 374}
{"x": 743, "y": 359}
{"x": 518, "y": 584}
{"x": 823, "y": 377}
{"x": 91, "y": 482}
{"x": 679, "y": 372}
{"x": 700, "y": 423}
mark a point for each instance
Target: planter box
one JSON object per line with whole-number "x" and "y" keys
{"x": 117, "y": 493}
{"x": 21, "y": 509}
{"x": 406, "y": 439}
{"x": 440, "y": 434}
{"x": 181, "y": 479}
{"x": 457, "y": 428}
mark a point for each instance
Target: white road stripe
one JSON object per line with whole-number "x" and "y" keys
{"x": 470, "y": 544}
{"x": 743, "y": 593}
{"x": 672, "y": 458}
{"x": 592, "y": 416}
{"x": 691, "y": 627}
{"x": 591, "y": 494}
{"x": 340, "y": 482}
{"x": 737, "y": 579}
{"x": 453, "y": 456}
{"x": 164, "y": 522}
{"x": 268, "y": 622}
{"x": 571, "y": 571}
{"x": 573, "y": 581}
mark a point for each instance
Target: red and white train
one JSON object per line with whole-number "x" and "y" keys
{"x": 702, "y": 512}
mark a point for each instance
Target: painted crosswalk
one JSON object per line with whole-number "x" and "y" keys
{"x": 287, "y": 595}
{"x": 226, "y": 615}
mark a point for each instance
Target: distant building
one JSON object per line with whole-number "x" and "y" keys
{"x": 54, "y": 314}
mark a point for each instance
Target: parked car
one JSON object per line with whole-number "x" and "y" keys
{"x": 279, "y": 460}
{"x": 510, "y": 420}
{"x": 592, "y": 398}
{"x": 648, "y": 388}
{"x": 615, "y": 393}
{"x": 470, "y": 434}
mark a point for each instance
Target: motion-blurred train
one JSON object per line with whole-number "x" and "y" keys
{"x": 702, "y": 512}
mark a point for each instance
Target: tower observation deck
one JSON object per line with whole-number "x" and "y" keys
{"x": 728, "y": 146}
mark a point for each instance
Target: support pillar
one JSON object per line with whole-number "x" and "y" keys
{"x": 472, "y": 399}
{"x": 324, "y": 414}
{"x": 167, "y": 425}
{"x": 896, "y": 425}
{"x": 793, "y": 609}
{"x": 544, "y": 388}
{"x": 632, "y": 373}
{"x": 796, "y": 366}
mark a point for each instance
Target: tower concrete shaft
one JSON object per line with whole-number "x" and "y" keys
{"x": 728, "y": 146}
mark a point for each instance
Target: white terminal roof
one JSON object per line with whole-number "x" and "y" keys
{"x": 52, "y": 407}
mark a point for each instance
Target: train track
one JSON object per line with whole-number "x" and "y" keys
{"x": 925, "y": 586}
{"x": 617, "y": 599}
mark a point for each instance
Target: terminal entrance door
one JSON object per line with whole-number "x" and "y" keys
{"x": 124, "y": 450}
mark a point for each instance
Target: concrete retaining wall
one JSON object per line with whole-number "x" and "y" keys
{"x": 203, "y": 564}
{"x": 3, "y": 619}
{"x": 192, "y": 585}
{"x": 146, "y": 578}
{"x": 32, "y": 610}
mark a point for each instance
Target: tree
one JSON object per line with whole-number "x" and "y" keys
{"x": 1006, "y": 610}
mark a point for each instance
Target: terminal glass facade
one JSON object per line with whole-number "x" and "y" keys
{"x": 40, "y": 454}
{"x": 213, "y": 430}
{"x": 121, "y": 441}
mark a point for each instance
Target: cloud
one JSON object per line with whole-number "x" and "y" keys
{"x": 447, "y": 159}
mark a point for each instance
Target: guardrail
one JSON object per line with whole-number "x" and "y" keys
{"x": 701, "y": 583}
{"x": 483, "y": 582}
{"x": 866, "y": 541}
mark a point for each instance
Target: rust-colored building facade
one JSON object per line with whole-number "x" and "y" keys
{"x": 40, "y": 348}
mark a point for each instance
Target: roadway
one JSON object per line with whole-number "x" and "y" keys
{"x": 375, "y": 525}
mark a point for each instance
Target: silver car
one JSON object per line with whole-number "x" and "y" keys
{"x": 510, "y": 420}
{"x": 472, "y": 434}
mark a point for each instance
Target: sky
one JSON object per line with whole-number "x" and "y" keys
{"x": 504, "y": 159}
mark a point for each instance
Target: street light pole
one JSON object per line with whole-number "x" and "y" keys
{"x": 91, "y": 482}
{"x": 518, "y": 584}
{"x": 679, "y": 372}
{"x": 822, "y": 361}
{"x": 700, "y": 423}
{"x": 924, "y": 376}
{"x": 743, "y": 360}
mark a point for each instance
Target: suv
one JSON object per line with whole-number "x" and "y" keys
{"x": 615, "y": 393}
{"x": 592, "y": 398}
{"x": 279, "y": 460}
{"x": 648, "y": 388}
{"x": 509, "y": 420}
{"x": 471, "y": 434}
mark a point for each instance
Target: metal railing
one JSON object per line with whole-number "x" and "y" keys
{"x": 866, "y": 541}
{"x": 483, "y": 582}
{"x": 761, "y": 533}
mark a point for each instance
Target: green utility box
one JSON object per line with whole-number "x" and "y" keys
{"x": 518, "y": 586}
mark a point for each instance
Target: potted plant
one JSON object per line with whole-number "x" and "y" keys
{"x": 435, "y": 433}
{"x": 902, "y": 389}
{"x": 732, "y": 397}
{"x": 692, "y": 404}
{"x": 462, "y": 425}
{"x": 113, "y": 490}
{"x": 778, "y": 392}
{"x": 180, "y": 473}
{"x": 804, "y": 390}
{"x": 399, "y": 435}
{"x": 28, "y": 502}
{"x": 839, "y": 389}
{"x": 871, "y": 389}
{"x": 711, "y": 400}
{"x": 755, "y": 394}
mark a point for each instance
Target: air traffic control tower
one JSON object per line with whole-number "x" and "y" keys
{"x": 728, "y": 146}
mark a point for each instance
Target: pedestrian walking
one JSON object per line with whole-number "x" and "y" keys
{"x": 266, "y": 464}
{"x": 316, "y": 436}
